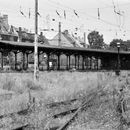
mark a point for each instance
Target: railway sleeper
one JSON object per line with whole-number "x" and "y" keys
{"x": 75, "y": 112}
{"x": 21, "y": 127}
{"x": 21, "y": 112}
{"x": 57, "y": 104}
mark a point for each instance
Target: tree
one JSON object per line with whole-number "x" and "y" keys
{"x": 113, "y": 44}
{"x": 127, "y": 43}
{"x": 95, "y": 40}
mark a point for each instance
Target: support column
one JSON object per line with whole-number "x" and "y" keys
{"x": 90, "y": 63}
{"x": 69, "y": 62}
{"x": 2, "y": 63}
{"x": 101, "y": 63}
{"x": 82, "y": 62}
{"x": 78, "y": 61}
{"x": 86, "y": 62}
{"x": 58, "y": 61}
{"x": 97, "y": 63}
{"x": 67, "y": 65}
{"x": 23, "y": 60}
{"x": 75, "y": 61}
{"x": 48, "y": 59}
{"x": 27, "y": 59}
{"x": 15, "y": 53}
{"x": 38, "y": 59}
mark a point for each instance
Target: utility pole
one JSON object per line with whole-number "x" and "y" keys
{"x": 59, "y": 44}
{"x": 36, "y": 71}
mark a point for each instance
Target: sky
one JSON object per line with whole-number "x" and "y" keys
{"x": 111, "y": 18}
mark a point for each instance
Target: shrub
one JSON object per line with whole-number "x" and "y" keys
{"x": 31, "y": 85}
{"x": 9, "y": 84}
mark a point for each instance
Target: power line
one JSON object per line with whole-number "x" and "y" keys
{"x": 70, "y": 9}
{"x": 104, "y": 21}
{"x": 111, "y": 6}
{"x": 114, "y": 10}
{"x": 80, "y": 13}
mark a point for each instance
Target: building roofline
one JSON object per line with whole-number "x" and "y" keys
{"x": 46, "y": 46}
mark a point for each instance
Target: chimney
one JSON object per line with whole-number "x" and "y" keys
{"x": 20, "y": 34}
{"x": 41, "y": 37}
{"x": 41, "y": 33}
{"x": 5, "y": 21}
{"x": 5, "y": 18}
{"x": 66, "y": 32}
{"x": 85, "y": 40}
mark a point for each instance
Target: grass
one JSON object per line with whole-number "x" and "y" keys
{"x": 60, "y": 86}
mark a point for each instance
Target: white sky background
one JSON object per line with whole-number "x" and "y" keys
{"x": 87, "y": 10}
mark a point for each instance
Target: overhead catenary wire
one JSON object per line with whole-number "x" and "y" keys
{"x": 102, "y": 20}
{"x": 106, "y": 4}
{"x": 83, "y": 16}
{"x": 70, "y": 9}
{"x": 22, "y": 12}
{"x": 117, "y": 5}
{"x": 114, "y": 11}
{"x": 98, "y": 13}
{"x": 119, "y": 14}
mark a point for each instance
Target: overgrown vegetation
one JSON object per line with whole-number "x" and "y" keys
{"x": 59, "y": 86}
{"x": 105, "y": 112}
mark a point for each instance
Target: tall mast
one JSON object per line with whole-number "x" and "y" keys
{"x": 36, "y": 71}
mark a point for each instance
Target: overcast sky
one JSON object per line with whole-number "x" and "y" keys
{"x": 91, "y": 15}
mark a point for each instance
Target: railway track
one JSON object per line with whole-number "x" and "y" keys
{"x": 21, "y": 112}
{"x": 85, "y": 103}
{"x": 73, "y": 112}
{"x": 27, "y": 111}
{"x": 22, "y": 127}
{"x": 81, "y": 104}
{"x": 12, "y": 125}
{"x": 57, "y": 104}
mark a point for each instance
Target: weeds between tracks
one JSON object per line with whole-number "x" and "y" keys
{"x": 99, "y": 105}
{"x": 88, "y": 100}
{"x": 59, "y": 87}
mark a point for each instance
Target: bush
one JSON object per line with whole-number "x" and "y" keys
{"x": 31, "y": 85}
{"x": 8, "y": 85}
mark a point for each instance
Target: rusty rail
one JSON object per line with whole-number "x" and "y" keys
{"x": 21, "y": 112}
{"x": 84, "y": 105}
{"x": 21, "y": 127}
{"x": 57, "y": 104}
